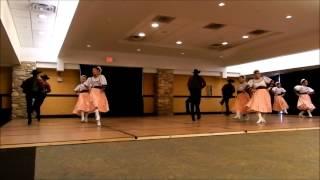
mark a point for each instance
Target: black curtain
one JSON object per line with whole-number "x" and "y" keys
{"x": 289, "y": 80}
{"x": 124, "y": 89}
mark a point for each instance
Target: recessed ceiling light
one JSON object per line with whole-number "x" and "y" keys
{"x": 155, "y": 25}
{"x": 42, "y": 16}
{"x": 221, "y": 4}
{"x": 288, "y": 17}
{"x": 88, "y": 45}
{"x": 139, "y": 50}
{"x": 142, "y": 34}
{"x": 224, "y": 43}
{"x": 245, "y": 36}
{"x": 182, "y": 53}
{"x": 179, "y": 42}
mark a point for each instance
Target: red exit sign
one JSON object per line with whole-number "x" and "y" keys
{"x": 109, "y": 59}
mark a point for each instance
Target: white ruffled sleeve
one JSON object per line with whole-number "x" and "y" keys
{"x": 310, "y": 90}
{"x": 88, "y": 82}
{"x": 297, "y": 88}
{"x": 103, "y": 80}
{"x": 267, "y": 79}
{"x": 77, "y": 88}
{"x": 250, "y": 83}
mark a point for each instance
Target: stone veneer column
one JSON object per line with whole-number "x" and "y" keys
{"x": 164, "y": 92}
{"x": 20, "y": 73}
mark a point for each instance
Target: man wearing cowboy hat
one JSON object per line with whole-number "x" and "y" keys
{"x": 195, "y": 84}
{"x": 227, "y": 91}
{"x": 45, "y": 89}
{"x": 31, "y": 87}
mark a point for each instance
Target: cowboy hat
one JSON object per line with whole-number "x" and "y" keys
{"x": 45, "y": 77}
{"x": 196, "y": 71}
{"x": 35, "y": 72}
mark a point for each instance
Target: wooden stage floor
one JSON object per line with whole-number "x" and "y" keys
{"x": 70, "y": 131}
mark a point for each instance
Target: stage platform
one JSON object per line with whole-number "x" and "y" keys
{"x": 70, "y": 131}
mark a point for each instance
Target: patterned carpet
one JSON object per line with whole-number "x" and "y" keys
{"x": 280, "y": 155}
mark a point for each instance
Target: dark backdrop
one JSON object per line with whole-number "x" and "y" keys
{"x": 289, "y": 80}
{"x": 124, "y": 89}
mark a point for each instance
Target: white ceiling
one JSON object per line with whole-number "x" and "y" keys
{"x": 106, "y": 25}
{"x": 33, "y": 32}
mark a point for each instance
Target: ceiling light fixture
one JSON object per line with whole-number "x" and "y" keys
{"x": 179, "y": 42}
{"x": 224, "y": 43}
{"x": 42, "y": 16}
{"x": 142, "y": 34}
{"x": 88, "y": 46}
{"x": 139, "y": 50}
{"x": 288, "y": 17}
{"x": 245, "y": 37}
{"x": 182, "y": 53}
{"x": 221, "y": 4}
{"x": 155, "y": 25}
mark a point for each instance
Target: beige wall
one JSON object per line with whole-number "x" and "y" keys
{"x": 63, "y": 104}
{"x": 148, "y": 92}
{"x": 208, "y": 104}
{"x": 5, "y": 86}
{"x": 62, "y": 99}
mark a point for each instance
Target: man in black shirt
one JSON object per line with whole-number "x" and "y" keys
{"x": 32, "y": 88}
{"x": 227, "y": 91}
{"x": 195, "y": 84}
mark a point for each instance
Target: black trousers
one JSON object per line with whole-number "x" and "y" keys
{"x": 34, "y": 102}
{"x": 30, "y": 99}
{"x": 225, "y": 101}
{"x": 195, "y": 98}
{"x": 188, "y": 105}
{"x": 37, "y": 104}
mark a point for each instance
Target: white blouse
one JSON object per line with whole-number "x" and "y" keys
{"x": 81, "y": 87}
{"x": 262, "y": 82}
{"x": 96, "y": 81}
{"x": 278, "y": 91}
{"x": 303, "y": 89}
{"x": 242, "y": 86}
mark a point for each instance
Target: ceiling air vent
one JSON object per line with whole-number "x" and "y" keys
{"x": 163, "y": 19}
{"x": 135, "y": 38}
{"x": 44, "y": 8}
{"x": 214, "y": 26}
{"x": 258, "y": 32}
{"x": 219, "y": 46}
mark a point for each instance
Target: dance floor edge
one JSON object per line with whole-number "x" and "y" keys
{"x": 70, "y": 131}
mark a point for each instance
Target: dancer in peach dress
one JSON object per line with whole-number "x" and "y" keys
{"x": 242, "y": 99}
{"x": 260, "y": 102}
{"x": 97, "y": 84}
{"x": 304, "y": 102}
{"x": 279, "y": 104}
{"x": 83, "y": 105}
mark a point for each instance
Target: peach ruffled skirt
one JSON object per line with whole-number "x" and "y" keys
{"x": 279, "y": 104}
{"x": 99, "y": 100}
{"x": 305, "y": 103}
{"x": 240, "y": 103}
{"x": 83, "y": 103}
{"x": 260, "y": 101}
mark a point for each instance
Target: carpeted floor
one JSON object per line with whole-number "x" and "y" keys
{"x": 281, "y": 155}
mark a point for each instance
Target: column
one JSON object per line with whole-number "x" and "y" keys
{"x": 164, "y": 92}
{"x": 20, "y": 73}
